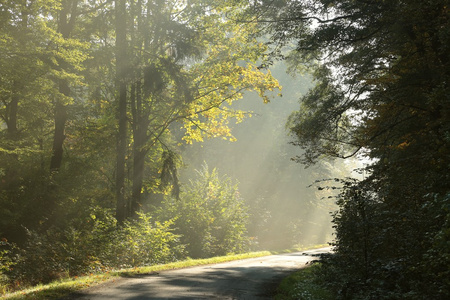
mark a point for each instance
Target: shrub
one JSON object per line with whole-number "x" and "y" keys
{"x": 141, "y": 243}
{"x": 7, "y": 263}
{"x": 100, "y": 245}
{"x": 305, "y": 284}
{"x": 384, "y": 251}
{"x": 210, "y": 216}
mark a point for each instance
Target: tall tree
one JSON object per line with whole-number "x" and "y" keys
{"x": 66, "y": 22}
{"x": 121, "y": 88}
{"x": 20, "y": 36}
{"x": 187, "y": 66}
{"x": 32, "y": 51}
{"x": 381, "y": 91}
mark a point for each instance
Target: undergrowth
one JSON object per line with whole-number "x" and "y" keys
{"x": 64, "y": 287}
{"x": 305, "y": 284}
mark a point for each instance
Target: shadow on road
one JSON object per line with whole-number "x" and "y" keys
{"x": 246, "y": 279}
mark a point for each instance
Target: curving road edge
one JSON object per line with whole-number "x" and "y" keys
{"x": 247, "y": 279}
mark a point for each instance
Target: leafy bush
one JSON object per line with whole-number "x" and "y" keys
{"x": 384, "y": 251}
{"x": 305, "y": 284}
{"x": 100, "y": 245}
{"x": 210, "y": 216}
{"x": 141, "y": 243}
{"x": 7, "y": 263}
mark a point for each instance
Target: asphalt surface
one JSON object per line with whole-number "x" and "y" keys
{"x": 248, "y": 279}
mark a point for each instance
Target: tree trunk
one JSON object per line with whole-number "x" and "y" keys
{"x": 60, "y": 124}
{"x": 121, "y": 52}
{"x": 138, "y": 177}
{"x": 139, "y": 153}
{"x": 140, "y": 122}
{"x": 12, "y": 110}
{"x": 65, "y": 27}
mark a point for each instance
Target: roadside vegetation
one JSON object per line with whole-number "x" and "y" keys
{"x": 304, "y": 284}
{"x": 216, "y": 218}
{"x": 65, "y": 286}
{"x": 381, "y": 70}
{"x": 213, "y": 223}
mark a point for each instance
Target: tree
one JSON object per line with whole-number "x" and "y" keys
{"x": 121, "y": 88}
{"x": 32, "y": 51}
{"x": 20, "y": 78}
{"x": 188, "y": 66}
{"x": 382, "y": 69}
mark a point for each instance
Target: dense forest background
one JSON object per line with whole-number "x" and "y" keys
{"x": 135, "y": 133}
{"x": 125, "y": 137}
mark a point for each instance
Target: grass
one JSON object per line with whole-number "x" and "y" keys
{"x": 303, "y": 285}
{"x": 65, "y": 287}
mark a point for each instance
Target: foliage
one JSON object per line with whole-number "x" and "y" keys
{"x": 63, "y": 288}
{"x": 184, "y": 67}
{"x": 385, "y": 254}
{"x": 382, "y": 93}
{"x": 97, "y": 246}
{"x": 214, "y": 218}
{"x": 275, "y": 189}
{"x": 7, "y": 262}
{"x": 142, "y": 243}
{"x": 182, "y": 82}
{"x": 305, "y": 284}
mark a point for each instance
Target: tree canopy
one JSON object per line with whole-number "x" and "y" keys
{"x": 97, "y": 99}
{"x": 382, "y": 71}
{"x": 142, "y": 75}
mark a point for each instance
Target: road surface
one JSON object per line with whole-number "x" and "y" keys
{"x": 249, "y": 279}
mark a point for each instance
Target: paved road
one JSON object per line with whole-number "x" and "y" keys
{"x": 249, "y": 279}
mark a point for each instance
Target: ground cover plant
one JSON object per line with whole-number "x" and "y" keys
{"x": 305, "y": 284}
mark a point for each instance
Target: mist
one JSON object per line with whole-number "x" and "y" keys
{"x": 284, "y": 210}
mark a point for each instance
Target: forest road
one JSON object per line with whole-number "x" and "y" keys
{"x": 248, "y": 279}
